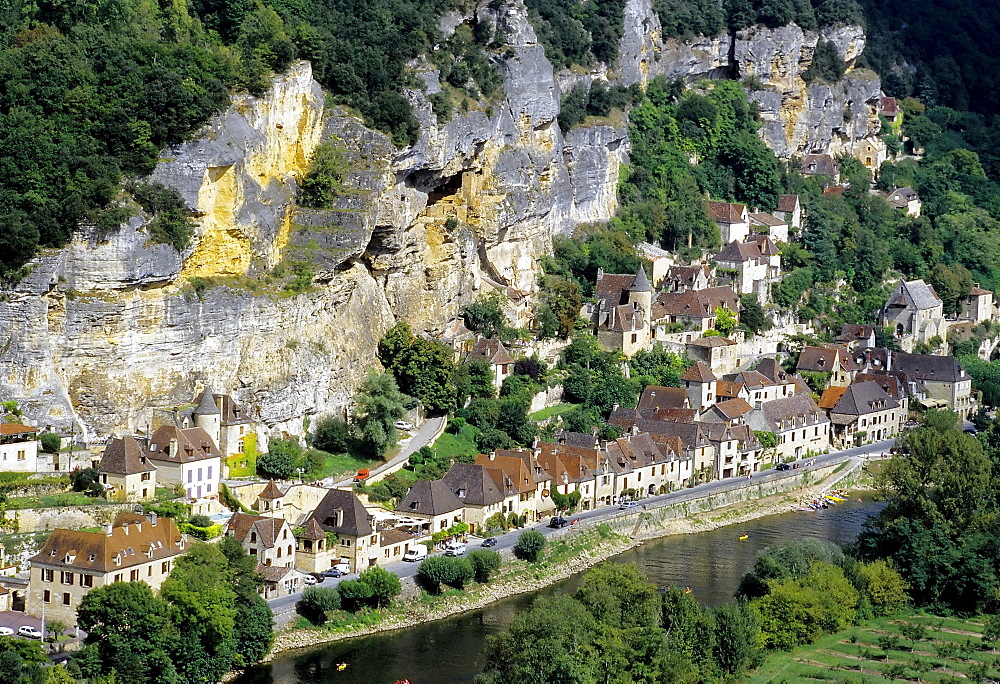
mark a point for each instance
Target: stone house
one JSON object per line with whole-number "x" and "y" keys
{"x": 433, "y": 504}
{"x": 856, "y": 337}
{"x": 693, "y": 443}
{"x": 742, "y": 266}
{"x": 769, "y": 225}
{"x": 729, "y": 412}
{"x": 738, "y": 452}
{"x": 125, "y": 472}
{"x": 18, "y": 448}
{"x": 494, "y": 353}
{"x": 188, "y": 458}
{"x": 821, "y": 165}
{"x": 905, "y": 199}
{"x": 790, "y": 211}
{"x": 541, "y": 479}
{"x": 693, "y": 310}
{"x": 871, "y": 152}
{"x": 646, "y": 467}
{"x": 623, "y": 315}
{"x": 977, "y": 306}
{"x": 719, "y": 353}
{"x": 480, "y": 496}
{"x": 270, "y": 500}
{"x": 656, "y": 397}
{"x": 684, "y": 278}
{"x": 891, "y": 110}
{"x": 699, "y": 382}
{"x": 279, "y": 581}
{"x": 393, "y": 545}
{"x": 862, "y": 412}
{"x": 916, "y": 314}
{"x": 733, "y": 220}
{"x": 512, "y": 477}
{"x": 340, "y": 512}
{"x": 946, "y": 383}
{"x": 660, "y": 261}
{"x": 799, "y": 424}
{"x": 70, "y": 563}
{"x": 268, "y": 540}
{"x": 836, "y": 361}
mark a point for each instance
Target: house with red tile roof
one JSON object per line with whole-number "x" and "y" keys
{"x": 18, "y": 448}
{"x": 733, "y": 220}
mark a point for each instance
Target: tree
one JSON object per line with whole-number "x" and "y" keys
{"x": 481, "y": 379}
{"x": 737, "y": 637}
{"x": 884, "y": 588}
{"x": 50, "y": 442}
{"x": 423, "y": 368}
{"x": 127, "y": 633}
{"x": 316, "y": 602}
{"x": 437, "y": 570}
{"x": 253, "y": 632}
{"x": 619, "y": 595}
{"x": 279, "y": 461}
{"x": 354, "y": 593}
{"x": 82, "y": 479}
{"x": 384, "y": 585}
{"x": 529, "y": 545}
{"x": 485, "y": 316}
{"x": 324, "y": 181}
{"x": 331, "y": 434}
{"x": 484, "y": 563}
{"x": 378, "y": 405}
{"x": 752, "y": 316}
{"x": 725, "y": 320}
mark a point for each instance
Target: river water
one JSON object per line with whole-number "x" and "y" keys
{"x": 450, "y": 650}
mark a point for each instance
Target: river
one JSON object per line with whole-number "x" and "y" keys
{"x": 450, "y": 650}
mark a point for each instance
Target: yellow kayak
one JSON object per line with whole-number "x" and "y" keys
{"x": 744, "y": 537}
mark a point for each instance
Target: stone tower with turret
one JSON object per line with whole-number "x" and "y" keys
{"x": 208, "y": 416}
{"x": 640, "y": 295}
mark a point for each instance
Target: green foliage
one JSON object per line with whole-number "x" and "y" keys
{"x": 798, "y": 611}
{"x": 423, "y": 368}
{"x": 316, "y": 602}
{"x": 437, "y": 570}
{"x": 752, "y": 317}
{"x": 737, "y": 637}
{"x": 331, "y": 434}
{"x": 767, "y": 439}
{"x": 658, "y": 366}
{"x": 378, "y": 405}
{"x": 560, "y": 310}
{"x": 827, "y": 65}
{"x": 503, "y": 422}
{"x": 280, "y": 459}
{"x": 529, "y": 545}
{"x": 354, "y": 594}
{"x": 384, "y": 586}
{"x": 484, "y": 563}
{"x": 576, "y": 32}
{"x": 565, "y": 502}
{"x": 325, "y": 179}
{"x": 485, "y": 316}
{"x": 82, "y": 479}
{"x": 50, "y": 442}
{"x": 725, "y": 320}
{"x": 24, "y": 662}
{"x": 170, "y": 223}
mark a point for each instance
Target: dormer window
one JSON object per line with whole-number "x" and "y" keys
{"x": 70, "y": 557}
{"x": 93, "y": 556}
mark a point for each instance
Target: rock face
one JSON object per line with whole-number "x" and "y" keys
{"x": 112, "y": 325}
{"x": 798, "y": 118}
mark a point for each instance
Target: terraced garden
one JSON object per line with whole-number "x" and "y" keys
{"x": 916, "y": 648}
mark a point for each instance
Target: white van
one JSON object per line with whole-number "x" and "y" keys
{"x": 454, "y": 548}
{"x": 417, "y": 553}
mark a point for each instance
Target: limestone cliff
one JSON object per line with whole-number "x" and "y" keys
{"x": 112, "y": 325}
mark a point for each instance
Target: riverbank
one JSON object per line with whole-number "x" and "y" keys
{"x": 575, "y": 550}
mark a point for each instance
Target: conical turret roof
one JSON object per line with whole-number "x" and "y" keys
{"x": 207, "y": 404}
{"x": 641, "y": 283}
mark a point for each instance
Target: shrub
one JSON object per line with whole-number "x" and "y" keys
{"x": 438, "y": 570}
{"x": 331, "y": 435}
{"x": 354, "y": 593}
{"x": 484, "y": 563}
{"x": 50, "y": 442}
{"x": 316, "y": 602}
{"x": 81, "y": 479}
{"x": 384, "y": 586}
{"x": 529, "y": 545}
{"x": 200, "y": 521}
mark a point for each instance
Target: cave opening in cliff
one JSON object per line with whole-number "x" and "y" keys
{"x": 436, "y": 186}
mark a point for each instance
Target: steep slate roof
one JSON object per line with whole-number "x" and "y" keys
{"x": 725, "y": 388}
{"x": 695, "y": 303}
{"x": 429, "y": 497}
{"x": 750, "y": 379}
{"x": 354, "y": 521}
{"x": 889, "y": 106}
{"x": 765, "y": 244}
{"x": 713, "y": 341}
{"x": 232, "y": 413}
{"x": 133, "y": 539}
{"x": 824, "y": 358}
{"x": 890, "y": 384}
{"x": 862, "y": 398}
{"x": 928, "y": 367}
{"x": 271, "y": 491}
{"x": 475, "y": 481}
{"x": 313, "y": 530}
{"x": 739, "y": 252}
{"x": 765, "y": 219}
{"x": 699, "y": 372}
{"x": 688, "y": 274}
{"x": 612, "y": 288}
{"x": 733, "y": 408}
{"x": 690, "y": 434}
{"x": 587, "y": 440}
{"x": 676, "y": 415}
{"x": 787, "y": 202}
{"x": 787, "y": 412}
{"x": 724, "y": 212}
{"x": 852, "y": 333}
{"x": 823, "y": 163}
{"x": 267, "y": 529}
{"x": 641, "y": 282}
{"x": 273, "y": 573}
{"x": 9, "y": 429}
{"x": 490, "y": 350}
{"x": 206, "y": 405}
{"x": 655, "y": 397}
{"x": 193, "y": 444}
{"x": 742, "y": 434}
{"x": 920, "y": 294}
{"x": 772, "y": 370}
{"x": 623, "y": 318}
{"x": 977, "y": 291}
{"x": 906, "y": 194}
{"x": 124, "y": 456}
{"x": 514, "y": 469}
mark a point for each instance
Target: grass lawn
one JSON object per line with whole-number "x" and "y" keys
{"x": 53, "y": 500}
{"x": 949, "y": 651}
{"x": 344, "y": 464}
{"x": 463, "y": 444}
{"x": 556, "y": 410}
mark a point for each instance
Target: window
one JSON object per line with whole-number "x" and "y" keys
{"x": 253, "y": 537}
{"x": 47, "y": 596}
{"x": 134, "y": 575}
{"x": 210, "y": 472}
{"x": 199, "y": 474}
{"x": 164, "y": 567}
{"x": 20, "y": 455}
{"x": 66, "y": 598}
{"x": 144, "y": 478}
{"x": 47, "y": 575}
{"x": 86, "y": 580}
{"x": 67, "y": 577}
{"x": 190, "y": 477}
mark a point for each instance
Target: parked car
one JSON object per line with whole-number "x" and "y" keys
{"x": 333, "y": 572}
{"x": 558, "y": 522}
{"x": 6, "y": 631}
{"x": 627, "y": 505}
{"x": 782, "y": 466}
{"x": 362, "y": 475}
{"x": 489, "y": 541}
{"x": 403, "y": 425}
{"x": 417, "y": 553}
{"x": 345, "y": 568}
{"x": 318, "y": 576}
{"x": 310, "y": 580}
{"x": 29, "y": 631}
{"x": 454, "y": 548}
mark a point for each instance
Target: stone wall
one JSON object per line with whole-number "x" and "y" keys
{"x": 67, "y": 517}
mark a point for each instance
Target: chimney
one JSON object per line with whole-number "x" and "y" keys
{"x": 757, "y": 405}
{"x": 151, "y": 516}
{"x": 172, "y": 449}
{"x": 340, "y": 517}
{"x": 106, "y": 528}
{"x": 493, "y": 455}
